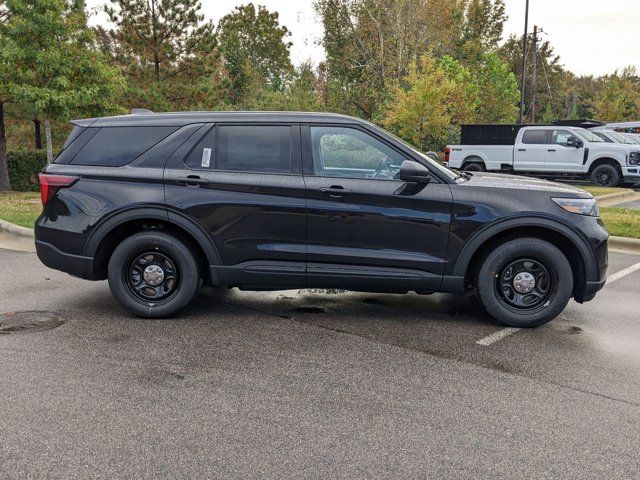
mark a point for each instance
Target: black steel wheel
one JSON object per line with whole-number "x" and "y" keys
{"x": 524, "y": 282}
{"x": 153, "y": 274}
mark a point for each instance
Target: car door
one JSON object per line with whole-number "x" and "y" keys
{"x": 530, "y": 152}
{"x": 366, "y": 228}
{"x": 242, "y": 185}
{"x": 560, "y": 156}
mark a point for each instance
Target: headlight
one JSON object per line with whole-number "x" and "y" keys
{"x": 581, "y": 206}
{"x": 634, "y": 158}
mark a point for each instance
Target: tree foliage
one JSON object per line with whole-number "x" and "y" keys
{"x": 49, "y": 65}
{"x": 168, "y": 52}
{"x": 255, "y": 48}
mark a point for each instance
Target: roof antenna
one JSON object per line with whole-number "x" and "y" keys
{"x": 140, "y": 111}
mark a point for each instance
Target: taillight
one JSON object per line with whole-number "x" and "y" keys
{"x": 447, "y": 151}
{"x": 50, "y": 184}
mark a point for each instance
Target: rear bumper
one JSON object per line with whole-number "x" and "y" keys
{"x": 76, "y": 265}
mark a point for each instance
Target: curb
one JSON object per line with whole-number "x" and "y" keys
{"x": 614, "y": 198}
{"x": 16, "y": 230}
{"x": 630, "y": 245}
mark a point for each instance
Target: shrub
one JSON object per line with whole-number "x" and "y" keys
{"x": 24, "y": 166}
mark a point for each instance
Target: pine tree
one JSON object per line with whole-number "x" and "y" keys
{"x": 168, "y": 53}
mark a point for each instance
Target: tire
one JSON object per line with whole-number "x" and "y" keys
{"x": 497, "y": 282}
{"x": 142, "y": 289}
{"x": 474, "y": 167}
{"x": 605, "y": 175}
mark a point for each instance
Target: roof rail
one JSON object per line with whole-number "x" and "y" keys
{"x": 140, "y": 111}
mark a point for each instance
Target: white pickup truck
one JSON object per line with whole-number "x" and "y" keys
{"x": 553, "y": 151}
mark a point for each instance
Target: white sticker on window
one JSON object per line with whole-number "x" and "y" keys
{"x": 206, "y": 157}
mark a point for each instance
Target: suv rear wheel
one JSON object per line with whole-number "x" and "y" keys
{"x": 524, "y": 282}
{"x": 153, "y": 274}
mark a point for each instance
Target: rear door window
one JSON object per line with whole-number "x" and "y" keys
{"x": 254, "y": 148}
{"x": 244, "y": 148}
{"x": 117, "y": 146}
{"x": 535, "y": 137}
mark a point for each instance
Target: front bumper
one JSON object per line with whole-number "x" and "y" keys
{"x": 76, "y": 265}
{"x": 631, "y": 174}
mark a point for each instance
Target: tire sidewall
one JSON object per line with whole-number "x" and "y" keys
{"x": 615, "y": 175}
{"x": 474, "y": 167}
{"x": 540, "y": 250}
{"x": 181, "y": 255}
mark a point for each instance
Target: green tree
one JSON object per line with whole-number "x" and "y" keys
{"x": 497, "y": 91}
{"x": 168, "y": 53}
{"x": 483, "y": 22}
{"x": 619, "y": 97}
{"x": 420, "y": 110}
{"x": 370, "y": 45}
{"x": 49, "y": 63}
{"x": 552, "y": 81}
{"x": 255, "y": 50}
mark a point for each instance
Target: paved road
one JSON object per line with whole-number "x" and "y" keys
{"x": 306, "y": 385}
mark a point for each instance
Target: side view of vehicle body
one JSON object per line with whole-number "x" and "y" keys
{"x": 553, "y": 151}
{"x": 160, "y": 203}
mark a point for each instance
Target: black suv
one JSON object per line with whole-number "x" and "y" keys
{"x": 160, "y": 203}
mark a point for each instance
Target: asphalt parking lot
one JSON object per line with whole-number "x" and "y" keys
{"x": 315, "y": 385}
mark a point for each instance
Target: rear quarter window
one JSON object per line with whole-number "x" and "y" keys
{"x": 534, "y": 137}
{"x": 117, "y": 146}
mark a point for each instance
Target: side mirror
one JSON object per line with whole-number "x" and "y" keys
{"x": 574, "y": 142}
{"x": 414, "y": 172}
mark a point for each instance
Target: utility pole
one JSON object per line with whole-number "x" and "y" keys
{"x": 534, "y": 73}
{"x": 524, "y": 61}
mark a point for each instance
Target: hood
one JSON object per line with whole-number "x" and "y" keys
{"x": 515, "y": 182}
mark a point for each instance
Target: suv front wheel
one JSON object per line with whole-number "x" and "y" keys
{"x": 524, "y": 282}
{"x": 153, "y": 274}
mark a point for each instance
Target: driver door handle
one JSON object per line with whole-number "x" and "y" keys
{"x": 335, "y": 191}
{"x": 551, "y": 149}
{"x": 192, "y": 181}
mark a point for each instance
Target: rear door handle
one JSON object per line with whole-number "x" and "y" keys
{"x": 551, "y": 149}
{"x": 522, "y": 149}
{"x": 335, "y": 191}
{"x": 192, "y": 181}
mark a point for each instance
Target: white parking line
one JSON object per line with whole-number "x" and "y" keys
{"x": 499, "y": 335}
{"x": 622, "y": 273}
{"x": 505, "y": 332}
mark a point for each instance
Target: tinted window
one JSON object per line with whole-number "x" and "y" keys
{"x": 116, "y": 146}
{"x": 252, "y": 148}
{"x": 347, "y": 152}
{"x": 203, "y": 157}
{"x": 534, "y": 136}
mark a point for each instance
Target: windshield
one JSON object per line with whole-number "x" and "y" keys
{"x": 619, "y": 138}
{"x": 450, "y": 174}
{"x": 603, "y": 136}
{"x": 587, "y": 135}
{"x": 633, "y": 137}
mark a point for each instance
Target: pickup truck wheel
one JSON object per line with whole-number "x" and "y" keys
{"x": 605, "y": 175}
{"x": 524, "y": 282}
{"x": 474, "y": 167}
{"x": 153, "y": 274}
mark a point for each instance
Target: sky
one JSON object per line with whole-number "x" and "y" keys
{"x": 591, "y": 36}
